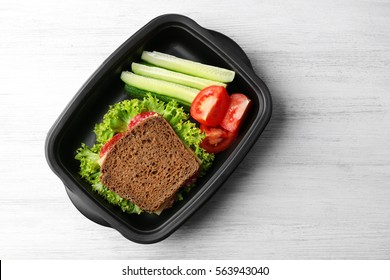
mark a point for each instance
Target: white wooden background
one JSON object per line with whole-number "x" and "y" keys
{"x": 315, "y": 186}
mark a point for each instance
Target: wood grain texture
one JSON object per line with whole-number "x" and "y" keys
{"x": 315, "y": 186}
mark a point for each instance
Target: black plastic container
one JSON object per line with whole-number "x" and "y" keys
{"x": 176, "y": 35}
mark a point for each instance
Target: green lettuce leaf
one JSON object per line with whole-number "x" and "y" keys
{"x": 116, "y": 120}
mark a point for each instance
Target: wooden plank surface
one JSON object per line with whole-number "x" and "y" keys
{"x": 315, "y": 186}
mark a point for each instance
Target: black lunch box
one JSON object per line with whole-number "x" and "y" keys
{"x": 180, "y": 36}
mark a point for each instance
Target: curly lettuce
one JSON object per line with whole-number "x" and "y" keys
{"x": 116, "y": 120}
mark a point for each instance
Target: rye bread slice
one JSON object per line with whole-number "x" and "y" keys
{"x": 149, "y": 164}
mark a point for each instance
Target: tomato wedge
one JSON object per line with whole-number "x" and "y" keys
{"x": 238, "y": 108}
{"x": 108, "y": 145}
{"x": 217, "y": 139}
{"x": 210, "y": 105}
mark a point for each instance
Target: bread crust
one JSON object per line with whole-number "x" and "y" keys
{"x": 149, "y": 164}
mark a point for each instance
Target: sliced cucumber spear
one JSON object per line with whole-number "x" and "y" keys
{"x": 188, "y": 67}
{"x": 164, "y": 88}
{"x": 134, "y": 92}
{"x": 171, "y": 76}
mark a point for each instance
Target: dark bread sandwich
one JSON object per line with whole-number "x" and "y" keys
{"x": 149, "y": 164}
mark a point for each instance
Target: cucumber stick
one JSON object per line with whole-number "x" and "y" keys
{"x": 188, "y": 67}
{"x": 134, "y": 92}
{"x": 164, "y": 88}
{"x": 171, "y": 76}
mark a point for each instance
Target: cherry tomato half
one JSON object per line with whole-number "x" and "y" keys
{"x": 217, "y": 139}
{"x": 210, "y": 105}
{"x": 238, "y": 108}
{"x": 108, "y": 145}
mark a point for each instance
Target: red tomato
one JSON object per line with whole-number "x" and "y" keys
{"x": 217, "y": 139}
{"x": 106, "y": 147}
{"x": 238, "y": 107}
{"x": 210, "y": 105}
{"x": 139, "y": 118}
